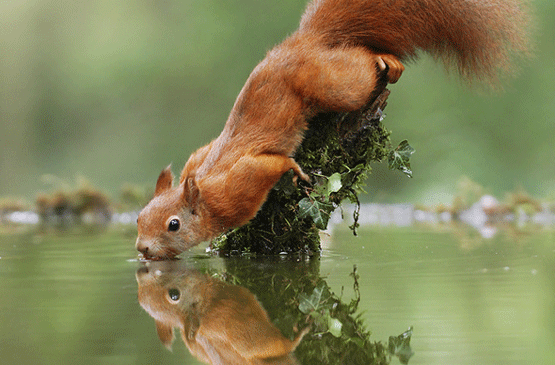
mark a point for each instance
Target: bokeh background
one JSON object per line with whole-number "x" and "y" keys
{"x": 115, "y": 91}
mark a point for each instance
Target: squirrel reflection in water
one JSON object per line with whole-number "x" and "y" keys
{"x": 219, "y": 323}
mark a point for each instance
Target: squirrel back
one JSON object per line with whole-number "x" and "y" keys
{"x": 480, "y": 38}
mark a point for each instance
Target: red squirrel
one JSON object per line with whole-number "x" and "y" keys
{"x": 331, "y": 63}
{"x": 219, "y": 323}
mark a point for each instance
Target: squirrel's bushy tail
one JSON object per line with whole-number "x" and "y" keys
{"x": 479, "y": 37}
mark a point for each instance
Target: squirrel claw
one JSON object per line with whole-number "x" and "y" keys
{"x": 391, "y": 65}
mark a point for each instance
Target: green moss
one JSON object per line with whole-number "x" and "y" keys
{"x": 338, "y": 334}
{"x": 336, "y": 153}
{"x": 296, "y": 296}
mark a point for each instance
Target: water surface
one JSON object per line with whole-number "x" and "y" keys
{"x": 71, "y": 298}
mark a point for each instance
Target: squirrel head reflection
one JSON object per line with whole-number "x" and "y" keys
{"x": 219, "y": 323}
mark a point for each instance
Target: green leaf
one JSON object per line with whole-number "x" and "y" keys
{"x": 310, "y": 303}
{"x": 400, "y": 346}
{"x": 318, "y": 211}
{"x": 334, "y": 326}
{"x": 357, "y": 341}
{"x": 399, "y": 158}
{"x": 334, "y": 183}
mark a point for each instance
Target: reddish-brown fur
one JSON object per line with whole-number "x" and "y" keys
{"x": 329, "y": 64}
{"x": 219, "y": 323}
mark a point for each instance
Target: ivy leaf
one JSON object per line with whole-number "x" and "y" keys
{"x": 318, "y": 211}
{"x": 357, "y": 341}
{"x": 334, "y": 183}
{"x": 334, "y": 326}
{"x": 400, "y": 346}
{"x": 400, "y": 156}
{"x": 310, "y": 303}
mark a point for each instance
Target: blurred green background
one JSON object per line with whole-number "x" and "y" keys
{"x": 115, "y": 91}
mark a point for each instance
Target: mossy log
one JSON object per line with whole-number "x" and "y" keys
{"x": 336, "y": 153}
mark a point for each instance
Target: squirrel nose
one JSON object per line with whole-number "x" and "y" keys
{"x": 141, "y": 246}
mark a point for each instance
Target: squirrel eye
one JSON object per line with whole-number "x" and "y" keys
{"x": 173, "y": 225}
{"x": 174, "y": 294}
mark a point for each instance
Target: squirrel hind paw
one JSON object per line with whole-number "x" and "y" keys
{"x": 302, "y": 175}
{"x": 299, "y": 173}
{"x": 390, "y": 64}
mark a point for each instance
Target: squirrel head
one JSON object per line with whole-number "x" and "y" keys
{"x": 171, "y": 222}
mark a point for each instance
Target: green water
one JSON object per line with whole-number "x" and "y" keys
{"x": 72, "y": 298}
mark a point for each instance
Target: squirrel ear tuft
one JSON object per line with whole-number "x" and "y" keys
{"x": 165, "y": 333}
{"x": 165, "y": 181}
{"x": 191, "y": 191}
